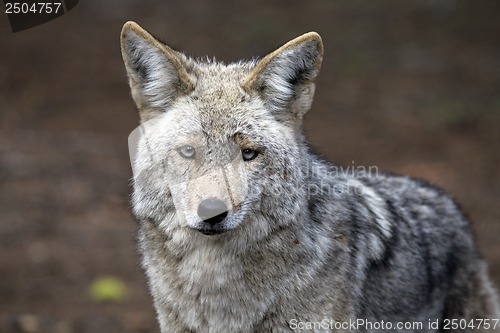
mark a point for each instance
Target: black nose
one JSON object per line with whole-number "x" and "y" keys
{"x": 212, "y": 211}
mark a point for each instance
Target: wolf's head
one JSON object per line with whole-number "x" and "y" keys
{"x": 221, "y": 145}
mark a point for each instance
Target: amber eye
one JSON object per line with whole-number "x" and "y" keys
{"x": 187, "y": 152}
{"x": 249, "y": 154}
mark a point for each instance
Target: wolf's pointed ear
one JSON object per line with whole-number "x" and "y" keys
{"x": 285, "y": 78}
{"x": 157, "y": 74}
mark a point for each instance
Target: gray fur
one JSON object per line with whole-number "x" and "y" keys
{"x": 301, "y": 242}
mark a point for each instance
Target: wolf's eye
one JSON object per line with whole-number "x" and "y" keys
{"x": 249, "y": 154}
{"x": 186, "y": 152}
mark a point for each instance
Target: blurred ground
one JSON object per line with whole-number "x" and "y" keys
{"x": 411, "y": 87}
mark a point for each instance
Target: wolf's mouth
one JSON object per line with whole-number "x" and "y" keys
{"x": 214, "y": 225}
{"x": 211, "y": 232}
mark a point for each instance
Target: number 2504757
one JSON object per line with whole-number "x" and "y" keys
{"x": 474, "y": 324}
{"x": 33, "y": 8}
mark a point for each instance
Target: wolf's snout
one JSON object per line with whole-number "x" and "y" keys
{"x": 212, "y": 211}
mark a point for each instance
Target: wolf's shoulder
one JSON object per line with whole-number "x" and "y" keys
{"x": 417, "y": 199}
{"x": 390, "y": 184}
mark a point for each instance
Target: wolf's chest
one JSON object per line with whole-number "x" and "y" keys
{"x": 208, "y": 270}
{"x": 211, "y": 292}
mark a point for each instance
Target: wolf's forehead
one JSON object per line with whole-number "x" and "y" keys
{"x": 218, "y": 106}
{"x": 218, "y": 86}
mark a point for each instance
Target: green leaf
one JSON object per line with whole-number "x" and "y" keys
{"x": 108, "y": 289}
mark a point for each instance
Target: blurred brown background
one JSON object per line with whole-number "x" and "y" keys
{"x": 411, "y": 87}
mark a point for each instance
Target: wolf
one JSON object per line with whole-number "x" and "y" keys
{"x": 243, "y": 229}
